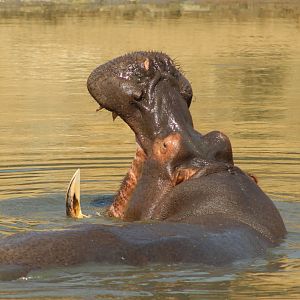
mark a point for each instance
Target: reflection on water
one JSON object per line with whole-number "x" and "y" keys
{"x": 245, "y": 70}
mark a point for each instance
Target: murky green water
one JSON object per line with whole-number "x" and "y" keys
{"x": 245, "y": 73}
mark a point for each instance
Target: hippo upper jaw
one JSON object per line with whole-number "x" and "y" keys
{"x": 147, "y": 91}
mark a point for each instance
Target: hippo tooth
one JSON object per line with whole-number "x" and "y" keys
{"x": 99, "y": 108}
{"x": 114, "y": 115}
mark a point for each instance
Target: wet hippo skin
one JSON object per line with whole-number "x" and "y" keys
{"x": 182, "y": 200}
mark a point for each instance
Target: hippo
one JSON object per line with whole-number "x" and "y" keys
{"x": 183, "y": 198}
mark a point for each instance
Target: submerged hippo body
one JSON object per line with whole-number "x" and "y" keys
{"x": 196, "y": 204}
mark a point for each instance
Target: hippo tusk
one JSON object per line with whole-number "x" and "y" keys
{"x": 73, "y": 208}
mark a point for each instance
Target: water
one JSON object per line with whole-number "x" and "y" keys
{"x": 245, "y": 72}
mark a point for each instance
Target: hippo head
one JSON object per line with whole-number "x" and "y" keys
{"x": 149, "y": 92}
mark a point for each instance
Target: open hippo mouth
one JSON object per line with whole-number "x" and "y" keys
{"x": 152, "y": 96}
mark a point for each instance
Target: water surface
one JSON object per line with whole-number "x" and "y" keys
{"x": 245, "y": 74}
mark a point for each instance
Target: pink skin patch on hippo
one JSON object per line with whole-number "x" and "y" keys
{"x": 166, "y": 149}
